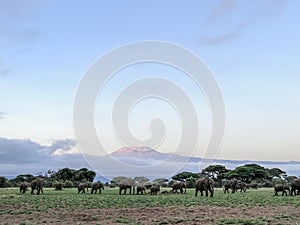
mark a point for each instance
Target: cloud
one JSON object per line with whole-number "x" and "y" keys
{"x": 221, "y": 10}
{"x": 20, "y": 35}
{"x": 4, "y": 71}
{"x": 1, "y": 115}
{"x": 220, "y": 39}
{"x": 64, "y": 145}
{"x": 19, "y": 156}
{"x": 16, "y": 14}
{"x": 250, "y": 14}
{"x": 27, "y": 151}
{"x": 19, "y": 9}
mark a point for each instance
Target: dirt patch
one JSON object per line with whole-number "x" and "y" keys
{"x": 157, "y": 215}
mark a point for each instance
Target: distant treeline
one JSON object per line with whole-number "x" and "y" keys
{"x": 252, "y": 174}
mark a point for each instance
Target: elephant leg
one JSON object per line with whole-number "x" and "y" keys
{"x": 293, "y": 191}
{"x": 206, "y": 193}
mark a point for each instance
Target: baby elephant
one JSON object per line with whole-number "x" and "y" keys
{"x": 140, "y": 190}
{"x": 81, "y": 188}
{"x": 97, "y": 186}
{"x": 281, "y": 188}
{"x": 23, "y": 188}
{"x": 154, "y": 189}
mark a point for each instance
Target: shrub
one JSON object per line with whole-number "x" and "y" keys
{"x": 58, "y": 186}
{"x": 254, "y": 185}
{"x": 68, "y": 184}
{"x": 279, "y": 181}
{"x": 190, "y": 182}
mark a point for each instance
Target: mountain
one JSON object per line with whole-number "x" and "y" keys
{"x": 139, "y": 152}
{"x": 145, "y": 156}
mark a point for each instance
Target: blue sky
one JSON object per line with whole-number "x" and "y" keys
{"x": 252, "y": 47}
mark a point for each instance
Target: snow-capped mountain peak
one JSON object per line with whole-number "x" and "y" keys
{"x": 139, "y": 152}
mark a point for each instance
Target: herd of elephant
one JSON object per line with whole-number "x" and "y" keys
{"x": 202, "y": 185}
{"x": 293, "y": 189}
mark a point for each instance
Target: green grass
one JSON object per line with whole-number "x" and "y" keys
{"x": 69, "y": 199}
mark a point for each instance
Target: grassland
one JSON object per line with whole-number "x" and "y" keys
{"x": 68, "y": 207}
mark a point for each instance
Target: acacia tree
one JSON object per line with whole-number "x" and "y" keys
{"x": 248, "y": 172}
{"x": 3, "y": 182}
{"x": 76, "y": 176}
{"x": 184, "y": 175}
{"x": 276, "y": 172}
{"x": 216, "y": 172}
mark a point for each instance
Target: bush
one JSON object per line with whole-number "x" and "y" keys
{"x": 58, "y": 186}
{"x": 279, "y": 181}
{"x": 254, "y": 185}
{"x": 170, "y": 184}
{"x": 190, "y": 182}
{"x": 68, "y": 184}
{"x": 268, "y": 184}
{"x": 112, "y": 185}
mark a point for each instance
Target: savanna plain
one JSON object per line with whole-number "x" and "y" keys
{"x": 256, "y": 206}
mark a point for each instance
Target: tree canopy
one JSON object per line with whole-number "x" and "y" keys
{"x": 184, "y": 175}
{"x": 248, "y": 172}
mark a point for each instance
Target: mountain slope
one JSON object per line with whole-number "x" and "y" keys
{"x": 139, "y": 152}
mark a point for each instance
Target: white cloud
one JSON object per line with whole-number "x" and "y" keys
{"x": 26, "y": 156}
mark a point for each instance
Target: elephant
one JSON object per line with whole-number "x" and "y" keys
{"x": 295, "y": 186}
{"x": 140, "y": 189}
{"x": 242, "y": 186}
{"x": 281, "y": 188}
{"x": 155, "y": 189}
{"x": 81, "y": 188}
{"x": 37, "y": 185}
{"x": 126, "y": 183}
{"x": 97, "y": 186}
{"x": 179, "y": 186}
{"x": 231, "y": 184}
{"x": 23, "y": 188}
{"x": 205, "y": 184}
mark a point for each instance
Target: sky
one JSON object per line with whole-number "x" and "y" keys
{"x": 251, "y": 47}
